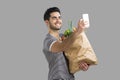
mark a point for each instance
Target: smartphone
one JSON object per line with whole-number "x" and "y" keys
{"x": 86, "y": 20}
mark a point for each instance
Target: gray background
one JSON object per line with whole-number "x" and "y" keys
{"x": 22, "y": 31}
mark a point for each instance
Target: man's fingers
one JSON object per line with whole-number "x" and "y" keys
{"x": 84, "y": 66}
{"x": 80, "y": 25}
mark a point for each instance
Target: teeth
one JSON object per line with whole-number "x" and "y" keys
{"x": 57, "y": 24}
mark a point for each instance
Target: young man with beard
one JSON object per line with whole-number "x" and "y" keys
{"x": 54, "y": 47}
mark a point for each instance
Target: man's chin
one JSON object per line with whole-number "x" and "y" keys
{"x": 58, "y": 28}
{"x": 55, "y": 28}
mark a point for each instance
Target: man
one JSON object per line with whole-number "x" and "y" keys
{"x": 54, "y": 48}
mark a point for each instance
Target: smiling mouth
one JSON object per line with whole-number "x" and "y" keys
{"x": 58, "y": 24}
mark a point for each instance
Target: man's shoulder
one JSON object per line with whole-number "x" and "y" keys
{"x": 48, "y": 36}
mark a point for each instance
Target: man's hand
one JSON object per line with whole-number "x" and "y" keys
{"x": 84, "y": 66}
{"x": 81, "y": 26}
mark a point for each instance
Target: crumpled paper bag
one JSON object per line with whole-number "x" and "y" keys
{"x": 80, "y": 50}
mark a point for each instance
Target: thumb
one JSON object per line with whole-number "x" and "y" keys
{"x": 80, "y": 25}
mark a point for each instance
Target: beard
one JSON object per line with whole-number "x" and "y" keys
{"x": 54, "y": 28}
{"x": 55, "y": 25}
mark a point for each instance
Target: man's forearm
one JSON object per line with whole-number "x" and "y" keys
{"x": 66, "y": 43}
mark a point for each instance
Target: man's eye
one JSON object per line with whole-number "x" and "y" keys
{"x": 60, "y": 17}
{"x": 53, "y": 17}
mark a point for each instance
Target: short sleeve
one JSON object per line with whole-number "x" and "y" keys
{"x": 48, "y": 43}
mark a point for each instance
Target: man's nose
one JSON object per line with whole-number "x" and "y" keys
{"x": 57, "y": 18}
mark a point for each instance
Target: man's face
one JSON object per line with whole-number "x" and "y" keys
{"x": 55, "y": 21}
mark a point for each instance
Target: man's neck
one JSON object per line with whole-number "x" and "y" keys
{"x": 55, "y": 34}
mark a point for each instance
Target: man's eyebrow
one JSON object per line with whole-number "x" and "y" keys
{"x": 55, "y": 16}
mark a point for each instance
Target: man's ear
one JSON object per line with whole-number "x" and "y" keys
{"x": 47, "y": 22}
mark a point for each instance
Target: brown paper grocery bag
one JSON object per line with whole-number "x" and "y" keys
{"x": 80, "y": 50}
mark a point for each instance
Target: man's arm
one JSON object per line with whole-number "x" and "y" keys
{"x": 65, "y": 44}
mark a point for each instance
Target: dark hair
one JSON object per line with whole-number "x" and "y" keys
{"x": 49, "y": 11}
